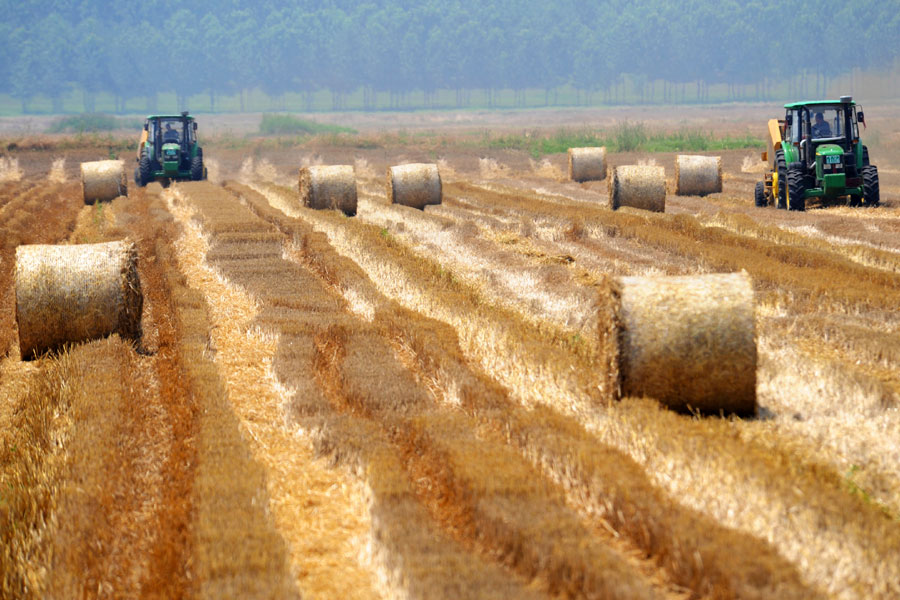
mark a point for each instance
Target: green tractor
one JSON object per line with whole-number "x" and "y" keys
{"x": 815, "y": 152}
{"x": 168, "y": 150}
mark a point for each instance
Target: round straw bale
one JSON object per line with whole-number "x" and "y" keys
{"x": 103, "y": 180}
{"x": 329, "y": 187}
{"x": 587, "y": 164}
{"x": 638, "y": 186}
{"x": 416, "y": 185}
{"x": 697, "y": 175}
{"x": 689, "y": 341}
{"x": 69, "y": 294}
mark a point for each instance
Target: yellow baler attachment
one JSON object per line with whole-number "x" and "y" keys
{"x": 774, "y": 140}
{"x": 141, "y": 144}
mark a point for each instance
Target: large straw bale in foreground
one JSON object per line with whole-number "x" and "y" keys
{"x": 329, "y": 187}
{"x": 689, "y": 341}
{"x": 697, "y": 175}
{"x": 587, "y": 164}
{"x": 69, "y": 294}
{"x": 103, "y": 180}
{"x": 638, "y": 186}
{"x": 416, "y": 185}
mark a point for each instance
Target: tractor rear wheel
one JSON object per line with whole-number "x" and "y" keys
{"x": 871, "y": 193}
{"x": 144, "y": 171}
{"x": 781, "y": 169}
{"x": 795, "y": 189}
{"x": 759, "y": 194}
{"x": 197, "y": 168}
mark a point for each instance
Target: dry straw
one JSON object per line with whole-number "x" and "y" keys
{"x": 103, "y": 180}
{"x": 697, "y": 175}
{"x": 689, "y": 341}
{"x": 329, "y": 187}
{"x": 416, "y": 185}
{"x": 587, "y": 164}
{"x": 638, "y": 186}
{"x": 70, "y": 294}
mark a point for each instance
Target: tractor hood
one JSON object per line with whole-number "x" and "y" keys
{"x": 829, "y": 150}
{"x": 171, "y": 158}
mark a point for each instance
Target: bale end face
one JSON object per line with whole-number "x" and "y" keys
{"x": 416, "y": 185}
{"x": 587, "y": 164}
{"x": 698, "y": 175}
{"x": 638, "y": 186}
{"x": 103, "y": 180}
{"x": 329, "y": 187}
{"x": 689, "y": 341}
{"x": 71, "y": 294}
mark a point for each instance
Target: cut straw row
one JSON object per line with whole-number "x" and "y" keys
{"x": 404, "y": 276}
{"x": 395, "y": 283}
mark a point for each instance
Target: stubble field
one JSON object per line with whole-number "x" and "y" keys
{"x": 410, "y": 404}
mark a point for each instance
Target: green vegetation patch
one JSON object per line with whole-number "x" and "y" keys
{"x": 626, "y": 137}
{"x": 272, "y": 124}
{"x": 92, "y": 123}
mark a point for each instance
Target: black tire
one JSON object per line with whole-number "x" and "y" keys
{"x": 781, "y": 169}
{"x": 871, "y": 192}
{"x": 759, "y": 194}
{"x": 137, "y": 176}
{"x": 796, "y": 189}
{"x": 145, "y": 171}
{"x": 197, "y": 168}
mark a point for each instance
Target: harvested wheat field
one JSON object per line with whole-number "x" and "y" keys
{"x": 517, "y": 392}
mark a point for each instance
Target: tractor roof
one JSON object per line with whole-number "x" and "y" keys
{"x": 188, "y": 117}
{"x": 815, "y": 103}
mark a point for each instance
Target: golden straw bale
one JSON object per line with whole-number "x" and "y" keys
{"x": 689, "y": 341}
{"x": 69, "y": 294}
{"x": 587, "y": 164}
{"x": 329, "y": 187}
{"x": 103, "y": 180}
{"x": 638, "y": 186}
{"x": 416, "y": 185}
{"x": 697, "y": 175}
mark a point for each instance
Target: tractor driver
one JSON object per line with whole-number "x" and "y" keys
{"x": 820, "y": 128}
{"x": 170, "y": 135}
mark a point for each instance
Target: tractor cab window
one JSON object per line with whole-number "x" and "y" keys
{"x": 826, "y": 122}
{"x": 795, "y": 126}
{"x": 171, "y": 130}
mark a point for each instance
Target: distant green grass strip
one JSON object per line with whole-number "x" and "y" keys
{"x": 92, "y": 123}
{"x": 627, "y": 137}
{"x": 272, "y": 124}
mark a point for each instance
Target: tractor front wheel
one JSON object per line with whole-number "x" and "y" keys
{"x": 759, "y": 194}
{"x": 871, "y": 193}
{"x": 795, "y": 189}
{"x": 197, "y": 168}
{"x": 144, "y": 171}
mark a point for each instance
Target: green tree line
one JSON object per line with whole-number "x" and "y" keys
{"x": 395, "y": 47}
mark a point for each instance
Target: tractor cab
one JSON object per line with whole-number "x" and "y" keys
{"x": 825, "y": 132}
{"x": 168, "y": 150}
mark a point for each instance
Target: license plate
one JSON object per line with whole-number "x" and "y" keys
{"x": 833, "y": 160}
